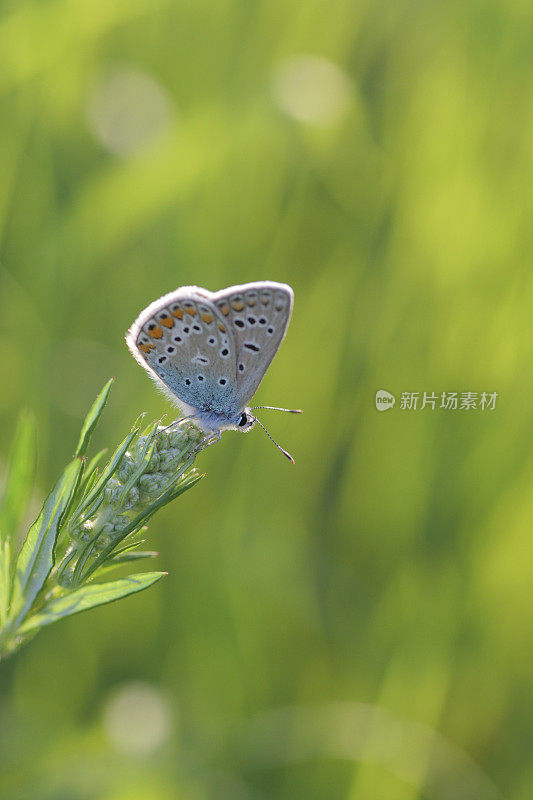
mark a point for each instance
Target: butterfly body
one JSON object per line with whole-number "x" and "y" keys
{"x": 208, "y": 351}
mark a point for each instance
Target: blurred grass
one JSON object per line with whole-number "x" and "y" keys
{"x": 388, "y": 568}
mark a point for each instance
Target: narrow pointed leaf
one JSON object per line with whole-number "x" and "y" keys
{"x": 137, "y": 423}
{"x": 95, "y": 594}
{"x": 19, "y": 480}
{"x": 87, "y": 478}
{"x": 124, "y": 557}
{"x": 108, "y": 471}
{"x": 5, "y": 580}
{"x": 133, "y": 555}
{"x": 92, "y": 418}
{"x": 92, "y": 465}
{"x": 36, "y": 557}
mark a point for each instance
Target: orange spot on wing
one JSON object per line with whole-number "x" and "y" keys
{"x": 178, "y": 312}
{"x": 221, "y": 328}
{"x": 251, "y": 301}
{"x": 146, "y": 347}
{"x": 168, "y": 322}
{"x": 225, "y": 309}
{"x": 191, "y": 311}
{"x": 156, "y": 333}
{"x": 207, "y": 318}
{"x": 237, "y": 305}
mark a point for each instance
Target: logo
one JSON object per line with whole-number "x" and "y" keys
{"x": 384, "y": 400}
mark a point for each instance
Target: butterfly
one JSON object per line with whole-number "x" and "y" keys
{"x": 208, "y": 351}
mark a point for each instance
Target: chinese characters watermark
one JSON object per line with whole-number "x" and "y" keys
{"x": 448, "y": 401}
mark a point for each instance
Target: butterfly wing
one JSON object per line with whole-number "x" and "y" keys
{"x": 257, "y": 314}
{"x": 188, "y": 348}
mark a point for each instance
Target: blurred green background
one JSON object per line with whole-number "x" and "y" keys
{"x": 358, "y": 626}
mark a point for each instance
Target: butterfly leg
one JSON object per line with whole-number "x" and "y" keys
{"x": 216, "y": 437}
{"x": 206, "y": 442}
{"x": 178, "y": 422}
{"x": 213, "y": 439}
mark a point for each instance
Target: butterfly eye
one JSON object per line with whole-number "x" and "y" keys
{"x": 243, "y": 420}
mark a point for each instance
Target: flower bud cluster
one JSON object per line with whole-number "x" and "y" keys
{"x": 135, "y": 486}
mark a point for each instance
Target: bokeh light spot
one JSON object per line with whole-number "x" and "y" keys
{"x": 128, "y": 111}
{"x": 313, "y": 90}
{"x": 137, "y": 719}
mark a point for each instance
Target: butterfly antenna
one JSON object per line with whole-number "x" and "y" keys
{"x": 288, "y": 455}
{"x": 275, "y": 408}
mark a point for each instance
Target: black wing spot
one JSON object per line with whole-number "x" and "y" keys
{"x": 222, "y": 381}
{"x": 162, "y": 359}
{"x": 262, "y": 320}
{"x": 212, "y": 340}
{"x": 241, "y": 367}
{"x": 196, "y": 328}
{"x": 224, "y": 352}
{"x": 253, "y": 347}
{"x": 239, "y": 323}
{"x": 270, "y": 330}
{"x": 187, "y": 382}
{"x": 186, "y": 329}
{"x": 251, "y": 320}
{"x": 177, "y": 339}
{"x": 170, "y": 349}
{"x": 200, "y": 377}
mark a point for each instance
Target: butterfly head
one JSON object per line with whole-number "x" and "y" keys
{"x": 245, "y": 421}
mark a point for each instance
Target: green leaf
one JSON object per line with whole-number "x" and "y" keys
{"x": 122, "y": 558}
{"x": 19, "y": 479}
{"x": 86, "y": 480}
{"x": 133, "y": 555}
{"x": 92, "y": 418}
{"x": 137, "y": 423}
{"x": 5, "y": 580}
{"x": 90, "y": 596}
{"x": 92, "y": 465}
{"x": 108, "y": 471}
{"x": 36, "y": 557}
